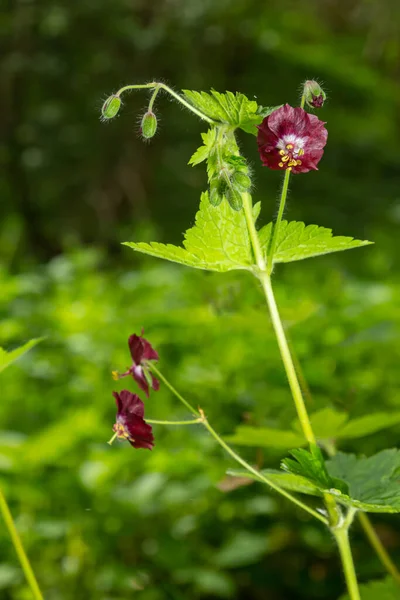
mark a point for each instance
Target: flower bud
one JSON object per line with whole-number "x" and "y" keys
{"x": 148, "y": 126}
{"x": 234, "y": 198}
{"x": 314, "y": 94}
{"x": 111, "y": 107}
{"x": 217, "y": 191}
{"x": 242, "y": 181}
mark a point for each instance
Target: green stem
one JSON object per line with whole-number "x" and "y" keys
{"x": 158, "y": 86}
{"x": 277, "y": 224}
{"x": 153, "y": 97}
{"x": 287, "y": 359}
{"x": 255, "y": 242}
{"x": 377, "y": 545}
{"x": 154, "y": 422}
{"x": 342, "y": 538}
{"x": 19, "y": 548}
{"x": 232, "y": 453}
{"x": 155, "y": 370}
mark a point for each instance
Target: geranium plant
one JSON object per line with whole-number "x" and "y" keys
{"x": 225, "y": 237}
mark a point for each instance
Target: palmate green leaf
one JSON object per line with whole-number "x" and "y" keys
{"x": 384, "y": 589}
{"x": 233, "y": 109}
{"x": 368, "y": 484}
{"x": 297, "y": 241}
{"x": 310, "y": 465}
{"x": 373, "y": 482}
{"x": 219, "y": 241}
{"x": 7, "y": 358}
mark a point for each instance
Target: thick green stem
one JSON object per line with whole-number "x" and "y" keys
{"x": 342, "y": 539}
{"x": 19, "y": 548}
{"x": 378, "y": 546}
{"x": 287, "y": 359}
{"x": 277, "y": 224}
{"x": 232, "y": 453}
{"x": 157, "y": 86}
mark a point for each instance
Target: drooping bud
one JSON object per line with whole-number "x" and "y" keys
{"x": 148, "y": 126}
{"x": 217, "y": 191}
{"x": 234, "y": 198}
{"x": 111, "y": 107}
{"x": 242, "y": 181}
{"x": 314, "y": 94}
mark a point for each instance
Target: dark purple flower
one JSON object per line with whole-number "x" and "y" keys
{"x": 130, "y": 424}
{"x": 291, "y": 138}
{"x": 141, "y": 351}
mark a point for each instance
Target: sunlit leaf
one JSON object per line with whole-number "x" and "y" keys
{"x": 219, "y": 241}
{"x": 296, "y": 241}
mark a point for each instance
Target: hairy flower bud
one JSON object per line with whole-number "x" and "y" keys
{"x": 314, "y": 94}
{"x": 148, "y": 126}
{"x": 242, "y": 181}
{"x": 234, "y": 198}
{"x": 111, "y": 107}
{"x": 218, "y": 189}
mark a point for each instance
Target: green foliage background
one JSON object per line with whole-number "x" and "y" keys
{"x": 107, "y": 523}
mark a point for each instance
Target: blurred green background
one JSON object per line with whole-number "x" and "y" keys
{"x": 111, "y": 523}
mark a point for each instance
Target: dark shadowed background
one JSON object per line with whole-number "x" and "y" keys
{"x": 107, "y": 523}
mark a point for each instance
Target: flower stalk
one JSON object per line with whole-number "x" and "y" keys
{"x": 259, "y": 476}
{"x": 19, "y": 548}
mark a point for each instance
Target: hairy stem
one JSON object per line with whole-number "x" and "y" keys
{"x": 342, "y": 539}
{"x": 228, "y": 449}
{"x": 277, "y": 224}
{"x": 157, "y": 86}
{"x": 19, "y": 548}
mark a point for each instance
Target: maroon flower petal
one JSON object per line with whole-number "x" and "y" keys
{"x": 290, "y": 138}
{"x": 141, "y": 349}
{"x": 130, "y": 423}
{"x": 140, "y": 378}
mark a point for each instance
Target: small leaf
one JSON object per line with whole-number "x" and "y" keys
{"x": 265, "y": 111}
{"x": 310, "y": 465}
{"x": 203, "y": 152}
{"x": 264, "y": 437}
{"x": 219, "y": 241}
{"x": 369, "y": 424}
{"x": 326, "y": 423}
{"x": 233, "y": 109}
{"x": 296, "y": 241}
{"x": 7, "y": 358}
{"x": 384, "y": 589}
{"x": 287, "y": 481}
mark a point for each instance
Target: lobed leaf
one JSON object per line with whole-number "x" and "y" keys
{"x": 219, "y": 241}
{"x": 385, "y": 589}
{"x": 7, "y": 358}
{"x": 296, "y": 241}
{"x": 233, "y": 109}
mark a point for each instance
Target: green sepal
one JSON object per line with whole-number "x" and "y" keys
{"x": 234, "y": 198}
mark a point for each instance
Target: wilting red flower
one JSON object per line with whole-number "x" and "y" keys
{"x": 141, "y": 352}
{"x": 291, "y": 138}
{"x": 130, "y": 424}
